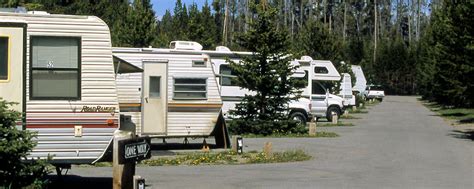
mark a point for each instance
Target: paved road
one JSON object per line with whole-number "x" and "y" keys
{"x": 399, "y": 144}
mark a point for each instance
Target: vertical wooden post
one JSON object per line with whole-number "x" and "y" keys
{"x": 312, "y": 127}
{"x": 267, "y": 149}
{"x": 122, "y": 173}
{"x": 334, "y": 118}
{"x": 234, "y": 143}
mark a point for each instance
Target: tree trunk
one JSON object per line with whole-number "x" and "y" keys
{"x": 226, "y": 18}
{"x": 375, "y": 29}
{"x": 344, "y": 23}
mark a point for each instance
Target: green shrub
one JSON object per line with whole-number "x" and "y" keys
{"x": 14, "y": 147}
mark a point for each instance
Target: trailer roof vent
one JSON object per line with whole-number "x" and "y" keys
{"x": 306, "y": 58}
{"x": 223, "y": 49}
{"x": 38, "y": 12}
{"x": 185, "y": 45}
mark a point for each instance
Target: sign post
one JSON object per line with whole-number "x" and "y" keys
{"x": 126, "y": 152}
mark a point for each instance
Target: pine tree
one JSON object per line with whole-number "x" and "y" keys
{"x": 267, "y": 75}
{"x": 452, "y": 38}
{"x": 138, "y": 27}
{"x": 15, "y": 145}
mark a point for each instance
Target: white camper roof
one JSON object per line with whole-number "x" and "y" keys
{"x": 361, "y": 82}
{"x": 324, "y": 70}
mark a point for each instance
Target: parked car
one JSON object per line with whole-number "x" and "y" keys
{"x": 374, "y": 92}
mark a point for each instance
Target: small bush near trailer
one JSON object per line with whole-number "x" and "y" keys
{"x": 14, "y": 147}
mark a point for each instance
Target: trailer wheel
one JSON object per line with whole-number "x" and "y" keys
{"x": 299, "y": 117}
{"x": 332, "y": 110}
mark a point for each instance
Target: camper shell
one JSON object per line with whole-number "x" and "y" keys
{"x": 323, "y": 104}
{"x": 346, "y": 90}
{"x": 60, "y": 71}
{"x": 177, "y": 94}
{"x": 361, "y": 82}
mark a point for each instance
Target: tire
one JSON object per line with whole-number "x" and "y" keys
{"x": 380, "y": 99}
{"x": 299, "y": 117}
{"x": 331, "y": 110}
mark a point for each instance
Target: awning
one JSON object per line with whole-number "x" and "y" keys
{"x": 121, "y": 66}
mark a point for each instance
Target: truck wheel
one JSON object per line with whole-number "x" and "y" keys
{"x": 332, "y": 110}
{"x": 299, "y": 117}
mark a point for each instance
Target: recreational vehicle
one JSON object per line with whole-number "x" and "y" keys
{"x": 323, "y": 103}
{"x": 59, "y": 70}
{"x": 346, "y": 90}
{"x": 361, "y": 82}
{"x": 231, "y": 94}
{"x": 176, "y": 96}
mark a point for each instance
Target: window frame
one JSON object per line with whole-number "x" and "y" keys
{"x": 149, "y": 87}
{"x": 226, "y": 75}
{"x": 190, "y": 98}
{"x": 78, "y": 69}
{"x": 198, "y": 65}
{"x": 321, "y": 67}
{"x": 8, "y": 59}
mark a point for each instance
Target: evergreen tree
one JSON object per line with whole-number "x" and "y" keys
{"x": 138, "y": 27}
{"x": 15, "y": 145}
{"x": 267, "y": 74}
{"x": 452, "y": 39}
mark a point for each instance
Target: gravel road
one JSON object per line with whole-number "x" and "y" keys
{"x": 398, "y": 144}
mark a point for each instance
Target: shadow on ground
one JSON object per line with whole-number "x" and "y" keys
{"x": 463, "y": 134}
{"x": 74, "y": 181}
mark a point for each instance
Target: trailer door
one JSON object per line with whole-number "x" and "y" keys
{"x": 154, "y": 98}
{"x": 12, "y": 56}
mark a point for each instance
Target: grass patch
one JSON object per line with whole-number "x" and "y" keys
{"x": 460, "y": 115}
{"x": 339, "y": 124}
{"x": 293, "y": 135}
{"x": 373, "y": 103}
{"x": 348, "y": 116}
{"x": 228, "y": 157}
{"x": 359, "y": 111}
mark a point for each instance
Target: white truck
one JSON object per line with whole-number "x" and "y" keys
{"x": 374, "y": 92}
{"x": 323, "y": 103}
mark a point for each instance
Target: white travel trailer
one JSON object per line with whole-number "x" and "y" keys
{"x": 346, "y": 90}
{"x": 361, "y": 82}
{"x": 59, "y": 69}
{"x": 323, "y": 104}
{"x": 176, "y": 96}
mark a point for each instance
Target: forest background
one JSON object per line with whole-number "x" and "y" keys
{"x": 411, "y": 47}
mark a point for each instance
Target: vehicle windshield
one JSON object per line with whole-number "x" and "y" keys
{"x": 377, "y": 88}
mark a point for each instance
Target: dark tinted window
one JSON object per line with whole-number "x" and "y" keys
{"x": 3, "y": 58}
{"x": 317, "y": 88}
{"x": 321, "y": 70}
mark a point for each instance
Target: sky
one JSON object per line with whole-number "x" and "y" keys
{"x": 160, "y": 6}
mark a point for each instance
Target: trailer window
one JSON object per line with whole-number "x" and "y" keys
{"x": 190, "y": 88}
{"x": 155, "y": 86}
{"x": 55, "y": 68}
{"x": 199, "y": 63}
{"x": 226, "y": 75}
{"x": 321, "y": 70}
{"x": 4, "y": 58}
